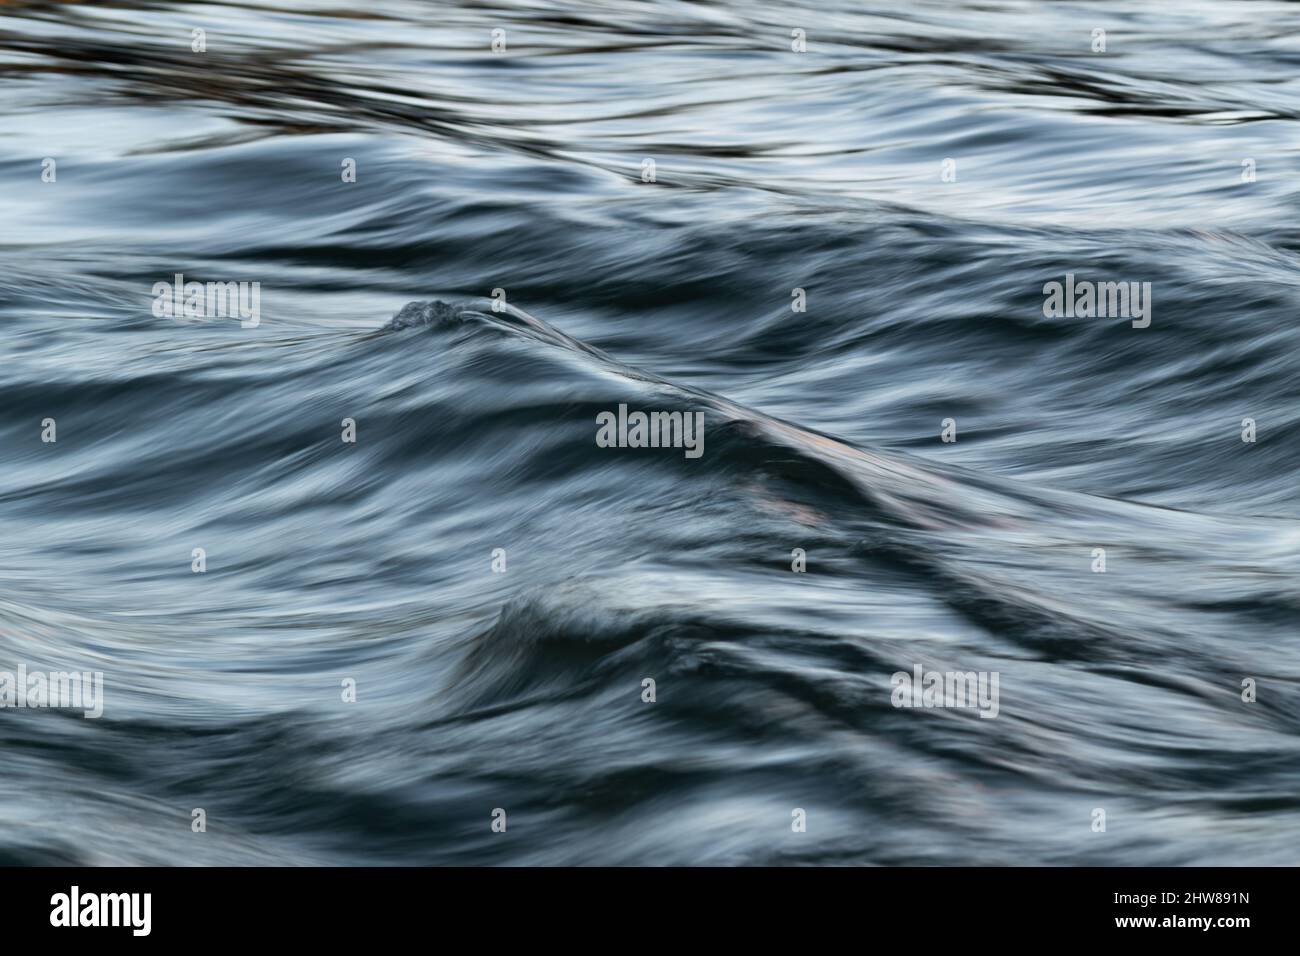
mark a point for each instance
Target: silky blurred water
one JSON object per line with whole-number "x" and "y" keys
{"x": 522, "y": 170}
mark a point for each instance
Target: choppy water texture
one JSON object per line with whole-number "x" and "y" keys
{"x": 522, "y": 170}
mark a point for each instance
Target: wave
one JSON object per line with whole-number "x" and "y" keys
{"x": 499, "y": 586}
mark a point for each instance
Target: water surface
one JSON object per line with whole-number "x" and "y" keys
{"x": 774, "y": 170}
